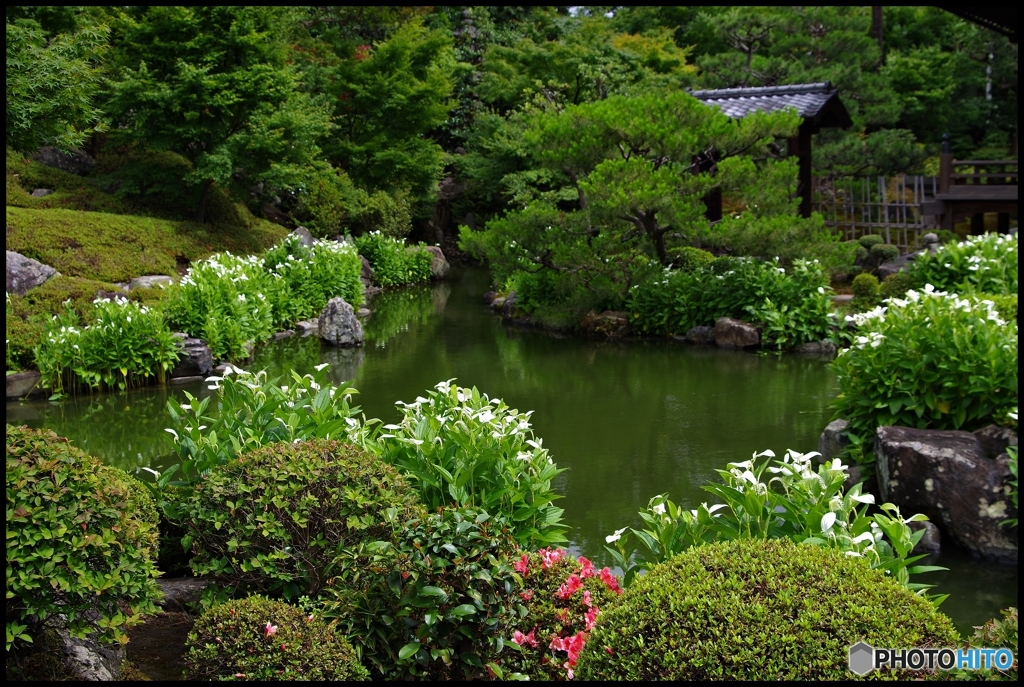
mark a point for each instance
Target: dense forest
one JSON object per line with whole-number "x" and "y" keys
{"x": 504, "y": 121}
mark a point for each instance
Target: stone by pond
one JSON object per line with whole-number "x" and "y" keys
{"x": 630, "y": 420}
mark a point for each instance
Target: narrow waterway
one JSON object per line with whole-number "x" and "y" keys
{"x": 629, "y": 420}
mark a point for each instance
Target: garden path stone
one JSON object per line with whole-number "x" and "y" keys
{"x": 730, "y": 333}
{"x": 24, "y": 274}
{"x": 277, "y": 336}
{"x": 179, "y": 591}
{"x": 339, "y": 325}
{"x": 947, "y": 475}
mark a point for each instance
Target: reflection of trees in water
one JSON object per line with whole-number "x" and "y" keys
{"x": 394, "y": 312}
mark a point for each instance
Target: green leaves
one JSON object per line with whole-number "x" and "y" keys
{"x": 394, "y": 263}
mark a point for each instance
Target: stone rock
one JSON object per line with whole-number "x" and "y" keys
{"x": 854, "y": 475}
{"x": 610, "y": 323}
{"x": 702, "y": 335}
{"x": 21, "y": 384}
{"x": 149, "y": 281}
{"x": 439, "y": 266}
{"x": 995, "y": 439}
{"x": 181, "y": 381}
{"x": 817, "y": 348}
{"x": 90, "y": 662}
{"x": 305, "y": 238}
{"x": 931, "y": 540}
{"x": 307, "y": 327}
{"x": 367, "y": 273}
{"x": 489, "y": 297}
{"x": 833, "y": 441}
{"x": 498, "y": 302}
{"x": 842, "y": 298}
{"x": 947, "y": 476}
{"x": 75, "y": 161}
{"x": 894, "y": 266}
{"x": 277, "y": 336}
{"x": 41, "y": 192}
{"x": 730, "y": 333}
{"x": 24, "y": 273}
{"x": 363, "y": 313}
{"x": 196, "y": 357}
{"x": 508, "y": 308}
{"x": 179, "y": 591}
{"x": 339, "y": 325}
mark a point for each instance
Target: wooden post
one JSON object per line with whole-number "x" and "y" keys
{"x": 800, "y": 146}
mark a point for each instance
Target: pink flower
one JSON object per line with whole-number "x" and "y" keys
{"x": 587, "y": 601}
{"x": 592, "y": 618}
{"x": 569, "y": 674}
{"x": 527, "y": 595}
{"x": 610, "y": 580}
{"x": 562, "y": 614}
{"x": 549, "y": 557}
{"x": 609, "y": 650}
{"x": 586, "y": 568}
{"x": 309, "y": 618}
{"x": 525, "y": 640}
{"x": 569, "y": 587}
{"x": 523, "y": 564}
{"x": 269, "y": 630}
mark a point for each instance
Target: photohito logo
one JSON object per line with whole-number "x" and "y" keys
{"x": 864, "y": 658}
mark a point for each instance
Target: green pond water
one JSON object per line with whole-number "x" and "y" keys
{"x": 629, "y": 420}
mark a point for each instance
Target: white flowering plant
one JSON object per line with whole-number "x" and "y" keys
{"x": 769, "y": 498}
{"x": 459, "y": 447}
{"x": 931, "y": 360}
{"x": 981, "y": 264}
{"x": 126, "y": 343}
{"x": 394, "y": 263}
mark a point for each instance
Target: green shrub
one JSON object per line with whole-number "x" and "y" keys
{"x": 931, "y": 361}
{"x": 288, "y": 517}
{"x": 791, "y": 306}
{"x": 394, "y": 263}
{"x": 690, "y": 258}
{"x": 896, "y": 285}
{"x": 80, "y": 540}
{"x": 150, "y": 179}
{"x": 388, "y": 214}
{"x": 326, "y": 205}
{"x": 981, "y": 264}
{"x": 260, "y": 639}
{"x": 457, "y": 446}
{"x": 858, "y": 253}
{"x": 882, "y": 253}
{"x": 126, "y": 344}
{"x": 437, "y": 604}
{"x": 995, "y": 634}
{"x": 563, "y": 597}
{"x": 756, "y": 610}
{"x": 796, "y": 503}
{"x": 867, "y": 241}
{"x": 865, "y": 286}
{"x": 303, "y": 279}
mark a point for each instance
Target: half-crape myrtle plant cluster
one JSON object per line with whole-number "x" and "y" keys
{"x": 126, "y": 343}
{"x": 930, "y": 360}
{"x": 394, "y": 263}
{"x": 562, "y": 598}
{"x": 794, "y": 501}
{"x": 981, "y": 264}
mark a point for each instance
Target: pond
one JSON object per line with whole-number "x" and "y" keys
{"x": 629, "y": 420}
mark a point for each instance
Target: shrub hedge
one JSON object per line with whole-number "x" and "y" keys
{"x": 756, "y": 610}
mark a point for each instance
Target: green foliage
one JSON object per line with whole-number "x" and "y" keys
{"x": 125, "y": 344}
{"x": 394, "y": 263}
{"x": 932, "y": 360}
{"x": 252, "y": 411}
{"x": 986, "y": 263}
{"x": 882, "y": 253}
{"x": 287, "y": 518}
{"x": 868, "y": 241}
{"x": 385, "y": 213}
{"x": 896, "y": 285}
{"x": 746, "y": 609}
{"x": 1005, "y": 305}
{"x": 457, "y": 446}
{"x": 1013, "y": 483}
{"x": 327, "y": 201}
{"x": 114, "y": 248}
{"x": 563, "y": 597}
{"x": 797, "y": 503}
{"x": 865, "y": 286}
{"x": 994, "y": 634}
{"x": 260, "y": 639}
{"x": 689, "y": 258}
{"x": 784, "y": 236}
{"x": 792, "y": 306}
{"x": 302, "y": 279}
{"x": 51, "y": 85}
{"x": 69, "y": 190}
{"x": 80, "y": 542}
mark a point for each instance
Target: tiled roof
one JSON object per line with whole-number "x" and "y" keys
{"x": 808, "y": 99}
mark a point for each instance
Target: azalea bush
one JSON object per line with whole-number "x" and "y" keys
{"x": 932, "y": 360}
{"x": 793, "y": 502}
{"x": 981, "y": 264}
{"x": 394, "y": 263}
{"x": 563, "y": 596}
{"x": 125, "y": 344}
{"x": 790, "y": 306}
{"x": 459, "y": 447}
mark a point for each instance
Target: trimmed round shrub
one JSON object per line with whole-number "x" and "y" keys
{"x": 689, "y": 258}
{"x": 81, "y": 540}
{"x": 896, "y": 285}
{"x": 563, "y": 596}
{"x": 756, "y": 610}
{"x": 260, "y": 639}
{"x": 286, "y": 518}
{"x": 865, "y": 286}
{"x": 869, "y": 240}
{"x": 858, "y": 252}
{"x": 883, "y": 252}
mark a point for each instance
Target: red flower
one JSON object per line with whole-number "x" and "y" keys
{"x": 609, "y": 579}
{"x": 609, "y": 650}
{"x": 550, "y": 557}
{"x": 586, "y": 568}
{"x": 523, "y": 564}
{"x": 525, "y": 640}
{"x": 591, "y": 617}
{"x": 569, "y": 587}
{"x": 527, "y": 595}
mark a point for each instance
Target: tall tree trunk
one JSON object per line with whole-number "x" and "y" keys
{"x": 657, "y": 236}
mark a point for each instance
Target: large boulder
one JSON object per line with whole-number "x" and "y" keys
{"x": 438, "y": 263}
{"x": 196, "y": 357}
{"x": 305, "y": 238}
{"x": 339, "y": 325}
{"x": 25, "y": 273}
{"x": 366, "y": 275}
{"x": 610, "y": 323}
{"x": 823, "y": 349}
{"x": 701, "y": 335}
{"x": 730, "y": 333}
{"x": 74, "y": 161}
{"x": 21, "y": 384}
{"x": 948, "y": 476}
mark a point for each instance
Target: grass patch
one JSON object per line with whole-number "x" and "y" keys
{"x": 113, "y": 248}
